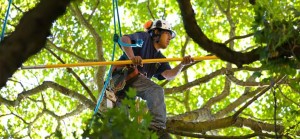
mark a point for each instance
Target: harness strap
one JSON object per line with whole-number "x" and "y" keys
{"x": 129, "y": 74}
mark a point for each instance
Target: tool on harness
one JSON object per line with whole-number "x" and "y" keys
{"x": 122, "y": 76}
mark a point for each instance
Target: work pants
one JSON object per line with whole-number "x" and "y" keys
{"x": 153, "y": 94}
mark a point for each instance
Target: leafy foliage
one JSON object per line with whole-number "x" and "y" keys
{"x": 123, "y": 122}
{"x": 59, "y": 102}
{"x": 274, "y": 32}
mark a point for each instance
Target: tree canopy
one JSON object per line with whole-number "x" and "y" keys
{"x": 251, "y": 91}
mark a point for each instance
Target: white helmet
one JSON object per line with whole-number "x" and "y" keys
{"x": 159, "y": 24}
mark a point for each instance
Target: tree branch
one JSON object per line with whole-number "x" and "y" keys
{"x": 238, "y": 37}
{"x": 220, "y": 50}
{"x": 201, "y": 127}
{"x": 225, "y": 93}
{"x": 205, "y": 79}
{"x": 88, "y": 103}
{"x": 45, "y": 85}
{"x": 237, "y": 102}
{"x": 246, "y": 84}
{"x": 149, "y": 10}
{"x": 98, "y": 40}
{"x": 202, "y": 114}
{"x": 195, "y": 135}
{"x": 79, "y": 58}
{"x": 93, "y": 11}
{"x": 100, "y": 72}
{"x": 76, "y": 76}
{"x": 284, "y": 96}
{"x": 27, "y": 39}
{"x": 258, "y": 95}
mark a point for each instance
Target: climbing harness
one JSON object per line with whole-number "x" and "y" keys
{"x": 5, "y": 21}
{"x": 121, "y": 76}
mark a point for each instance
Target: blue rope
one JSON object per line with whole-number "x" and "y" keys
{"x": 5, "y": 21}
{"x": 139, "y": 42}
{"x": 105, "y": 84}
{"x": 109, "y": 73}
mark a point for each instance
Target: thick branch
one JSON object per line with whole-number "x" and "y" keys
{"x": 219, "y": 49}
{"x": 70, "y": 93}
{"x": 200, "y": 127}
{"x": 258, "y": 126}
{"x": 29, "y": 36}
{"x": 202, "y": 114}
{"x": 196, "y": 135}
{"x": 45, "y": 85}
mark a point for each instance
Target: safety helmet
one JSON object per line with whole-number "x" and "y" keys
{"x": 159, "y": 24}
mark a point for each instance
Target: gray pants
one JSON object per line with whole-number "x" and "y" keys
{"x": 154, "y": 96}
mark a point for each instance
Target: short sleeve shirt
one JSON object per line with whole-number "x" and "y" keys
{"x": 147, "y": 51}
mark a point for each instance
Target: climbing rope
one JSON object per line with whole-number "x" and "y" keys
{"x": 116, "y": 40}
{"x": 5, "y": 21}
{"x": 115, "y": 6}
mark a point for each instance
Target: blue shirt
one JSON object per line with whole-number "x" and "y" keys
{"x": 147, "y": 51}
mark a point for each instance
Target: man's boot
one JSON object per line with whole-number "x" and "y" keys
{"x": 161, "y": 133}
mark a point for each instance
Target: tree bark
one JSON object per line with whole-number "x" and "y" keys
{"x": 29, "y": 36}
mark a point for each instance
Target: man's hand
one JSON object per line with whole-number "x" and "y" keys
{"x": 137, "y": 61}
{"x": 187, "y": 60}
{"x": 170, "y": 74}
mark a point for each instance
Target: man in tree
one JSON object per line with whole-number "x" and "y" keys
{"x": 157, "y": 36}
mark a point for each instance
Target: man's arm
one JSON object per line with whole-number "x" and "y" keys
{"x": 137, "y": 60}
{"x": 172, "y": 73}
{"x": 128, "y": 50}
